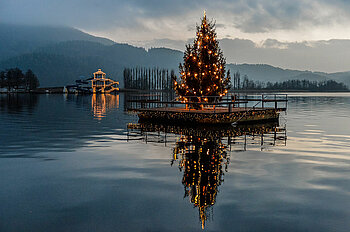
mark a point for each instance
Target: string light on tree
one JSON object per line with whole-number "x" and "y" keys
{"x": 204, "y": 65}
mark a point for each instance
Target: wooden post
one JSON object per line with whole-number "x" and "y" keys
{"x": 262, "y": 101}
{"x": 275, "y": 102}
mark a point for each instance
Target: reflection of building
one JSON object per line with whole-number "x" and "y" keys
{"x": 102, "y": 84}
{"x": 202, "y": 151}
{"x": 102, "y": 103}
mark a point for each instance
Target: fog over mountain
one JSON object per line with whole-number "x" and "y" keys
{"x": 61, "y": 55}
{"x": 19, "y": 39}
{"x": 307, "y": 35}
{"x": 325, "y": 56}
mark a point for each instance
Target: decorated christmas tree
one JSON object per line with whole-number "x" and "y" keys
{"x": 203, "y": 77}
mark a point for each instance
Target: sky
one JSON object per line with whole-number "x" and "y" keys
{"x": 154, "y": 23}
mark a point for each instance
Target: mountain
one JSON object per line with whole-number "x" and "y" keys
{"x": 264, "y": 72}
{"x": 311, "y": 76}
{"x": 340, "y": 77}
{"x": 19, "y": 39}
{"x": 63, "y": 63}
{"x": 61, "y": 55}
{"x": 325, "y": 55}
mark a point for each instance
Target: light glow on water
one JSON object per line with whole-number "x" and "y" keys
{"x": 70, "y": 164}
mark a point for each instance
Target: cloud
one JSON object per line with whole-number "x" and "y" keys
{"x": 250, "y": 16}
{"x": 326, "y": 56}
{"x": 134, "y": 21}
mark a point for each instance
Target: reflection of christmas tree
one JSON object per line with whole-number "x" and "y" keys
{"x": 201, "y": 160}
{"x": 202, "y": 150}
{"x": 203, "y": 71}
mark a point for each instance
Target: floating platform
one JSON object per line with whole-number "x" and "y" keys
{"x": 211, "y": 113}
{"x": 209, "y": 116}
{"x": 211, "y": 131}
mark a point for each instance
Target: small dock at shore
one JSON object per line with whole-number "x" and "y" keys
{"x": 219, "y": 110}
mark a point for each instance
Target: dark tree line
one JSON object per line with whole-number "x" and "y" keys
{"x": 148, "y": 79}
{"x": 15, "y": 79}
{"x": 329, "y": 85}
{"x": 307, "y": 85}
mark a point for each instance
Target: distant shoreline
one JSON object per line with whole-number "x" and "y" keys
{"x": 59, "y": 90}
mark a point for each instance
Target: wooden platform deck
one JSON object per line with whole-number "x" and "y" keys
{"x": 210, "y": 116}
{"x": 226, "y": 111}
{"x": 217, "y": 110}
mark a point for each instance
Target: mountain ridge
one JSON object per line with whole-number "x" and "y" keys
{"x": 19, "y": 39}
{"x": 60, "y": 55}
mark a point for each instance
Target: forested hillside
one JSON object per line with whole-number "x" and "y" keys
{"x": 63, "y": 63}
{"x": 60, "y": 55}
{"x": 19, "y": 39}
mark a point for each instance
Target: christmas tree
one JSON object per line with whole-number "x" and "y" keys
{"x": 203, "y": 77}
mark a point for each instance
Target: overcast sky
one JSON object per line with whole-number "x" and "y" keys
{"x": 171, "y": 23}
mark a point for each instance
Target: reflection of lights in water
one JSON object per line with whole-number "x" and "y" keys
{"x": 201, "y": 160}
{"x": 102, "y": 103}
{"x": 202, "y": 153}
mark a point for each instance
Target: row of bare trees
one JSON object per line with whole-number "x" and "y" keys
{"x": 148, "y": 79}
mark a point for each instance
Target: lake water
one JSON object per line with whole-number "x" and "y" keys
{"x": 69, "y": 163}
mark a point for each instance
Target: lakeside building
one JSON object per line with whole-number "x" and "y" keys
{"x": 101, "y": 84}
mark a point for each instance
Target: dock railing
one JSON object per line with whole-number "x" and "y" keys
{"x": 214, "y": 104}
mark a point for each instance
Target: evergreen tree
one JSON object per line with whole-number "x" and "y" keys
{"x": 203, "y": 71}
{"x": 2, "y": 79}
{"x": 14, "y": 77}
{"x": 31, "y": 80}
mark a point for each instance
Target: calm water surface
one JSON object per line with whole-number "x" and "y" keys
{"x": 69, "y": 163}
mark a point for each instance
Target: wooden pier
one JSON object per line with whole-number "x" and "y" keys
{"x": 231, "y": 109}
